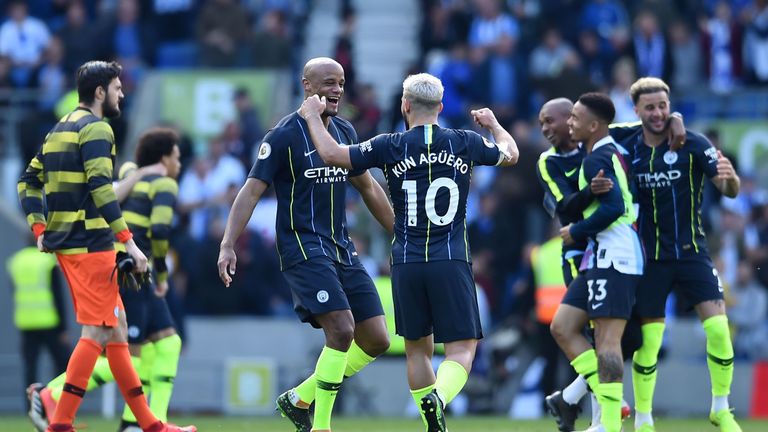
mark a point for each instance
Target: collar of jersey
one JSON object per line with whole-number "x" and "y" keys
{"x": 604, "y": 141}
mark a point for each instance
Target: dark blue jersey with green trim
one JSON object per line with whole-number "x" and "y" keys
{"x": 311, "y": 196}
{"x": 428, "y": 171}
{"x": 559, "y": 175}
{"x": 669, "y": 187}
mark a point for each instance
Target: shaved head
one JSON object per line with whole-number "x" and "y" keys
{"x": 559, "y": 106}
{"x": 324, "y": 76}
{"x": 315, "y": 65}
{"x": 553, "y": 118}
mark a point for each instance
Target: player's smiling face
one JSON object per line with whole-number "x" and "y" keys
{"x": 326, "y": 80}
{"x": 580, "y": 122}
{"x": 653, "y": 110}
{"x": 554, "y": 126}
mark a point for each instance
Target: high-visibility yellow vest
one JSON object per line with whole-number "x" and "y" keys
{"x": 546, "y": 261}
{"x": 31, "y": 270}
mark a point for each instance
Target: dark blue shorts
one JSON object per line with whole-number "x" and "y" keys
{"x": 145, "y": 312}
{"x": 695, "y": 281}
{"x": 437, "y": 297}
{"x": 571, "y": 268}
{"x": 603, "y": 293}
{"x": 320, "y": 285}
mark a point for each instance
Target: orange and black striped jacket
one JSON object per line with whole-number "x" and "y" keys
{"x": 74, "y": 167}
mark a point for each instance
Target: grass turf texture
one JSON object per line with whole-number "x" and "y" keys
{"x": 378, "y": 424}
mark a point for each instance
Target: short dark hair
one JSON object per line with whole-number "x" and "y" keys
{"x": 600, "y": 105}
{"x": 95, "y": 74}
{"x": 154, "y": 144}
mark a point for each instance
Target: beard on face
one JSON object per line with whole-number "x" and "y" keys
{"x": 111, "y": 108}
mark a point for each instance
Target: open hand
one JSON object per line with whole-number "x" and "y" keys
{"x": 600, "y": 184}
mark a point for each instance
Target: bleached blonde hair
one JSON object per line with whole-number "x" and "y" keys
{"x": 647, "y": 85}
{"x": 424, "y": 91}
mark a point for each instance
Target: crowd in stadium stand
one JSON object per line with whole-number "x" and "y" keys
{"x": 509, "y": 55}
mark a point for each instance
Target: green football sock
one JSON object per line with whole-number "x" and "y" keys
{"x": 167, "y": 352}
{"x": 609, "y": 396}
{"x": 357, "y": 359}
{"x": 585, "y": 364}
{"x": 719, "y": 354}
{"x": 329, "y": 373}
{"x": 143, "y": 367}
{"x": 101, "y": 375}
{"x": 451, "y": 377}
{"x": 417, "y": 395}
{"x": 644, "y": 366}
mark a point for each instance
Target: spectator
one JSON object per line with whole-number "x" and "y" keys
{"x": 747, "y": 314}
{"x": 173, "y": 20}
{"x": 550, "y": 57}
{"x": 272, "y": 47}
{"x": 493, "y": 38}
{"x": 608, "y": 19}
{"x": 756, "y": 238}
{"x": 368, "y": 113}
{"x": 23, "y": 39}
{"x": 249, "y": 124}
{"x": 79, "y": 37}
{"x": 650, "y": 48}
{"x": 131, "y": 42}
{"x": 206, "y": 190}
{"x": 686, "y": 58}
{"x": 756, "y": 44}
{"x": 343, "y": 52}
{"x": 50, "y": 77}
{"x": 596, "y": 62}
{"x": 722, "y": 44}
{"x": 445, "y": 23}
{"x": 456, "y": 75}
{"x": 222, "y": 29}
{"x": 623, "y": 77}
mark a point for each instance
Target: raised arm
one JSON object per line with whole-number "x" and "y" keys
{"x": 242, "y": 209}
{"x": 329, "y": 150}
{"x": 375, "y": 199}
{"x": 504, "y": 141}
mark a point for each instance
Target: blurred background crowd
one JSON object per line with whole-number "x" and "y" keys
{"x": 510, "y": 55}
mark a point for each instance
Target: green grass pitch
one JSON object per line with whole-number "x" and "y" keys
{"x": 377, "y": 424}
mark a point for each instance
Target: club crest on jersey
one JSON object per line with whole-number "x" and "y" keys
{"x": 264, "y": 151}
{"x": 670, "y": 157}
{"x": 322, "y": 296}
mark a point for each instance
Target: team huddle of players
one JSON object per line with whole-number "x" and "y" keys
{"x": 593, "y": 176}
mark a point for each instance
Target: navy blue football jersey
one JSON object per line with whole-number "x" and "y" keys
{"x": 428, "y": 171}
{"x": 311, "y": 196}
{"x": 668, "y": 186}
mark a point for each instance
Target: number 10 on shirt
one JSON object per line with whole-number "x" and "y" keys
{"x": 429, "y": 201}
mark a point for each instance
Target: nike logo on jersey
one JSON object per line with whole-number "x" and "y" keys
{"x": 596, "y": 305}
{"x": 571, "y": 172}
{"x": 309, "y": 153}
